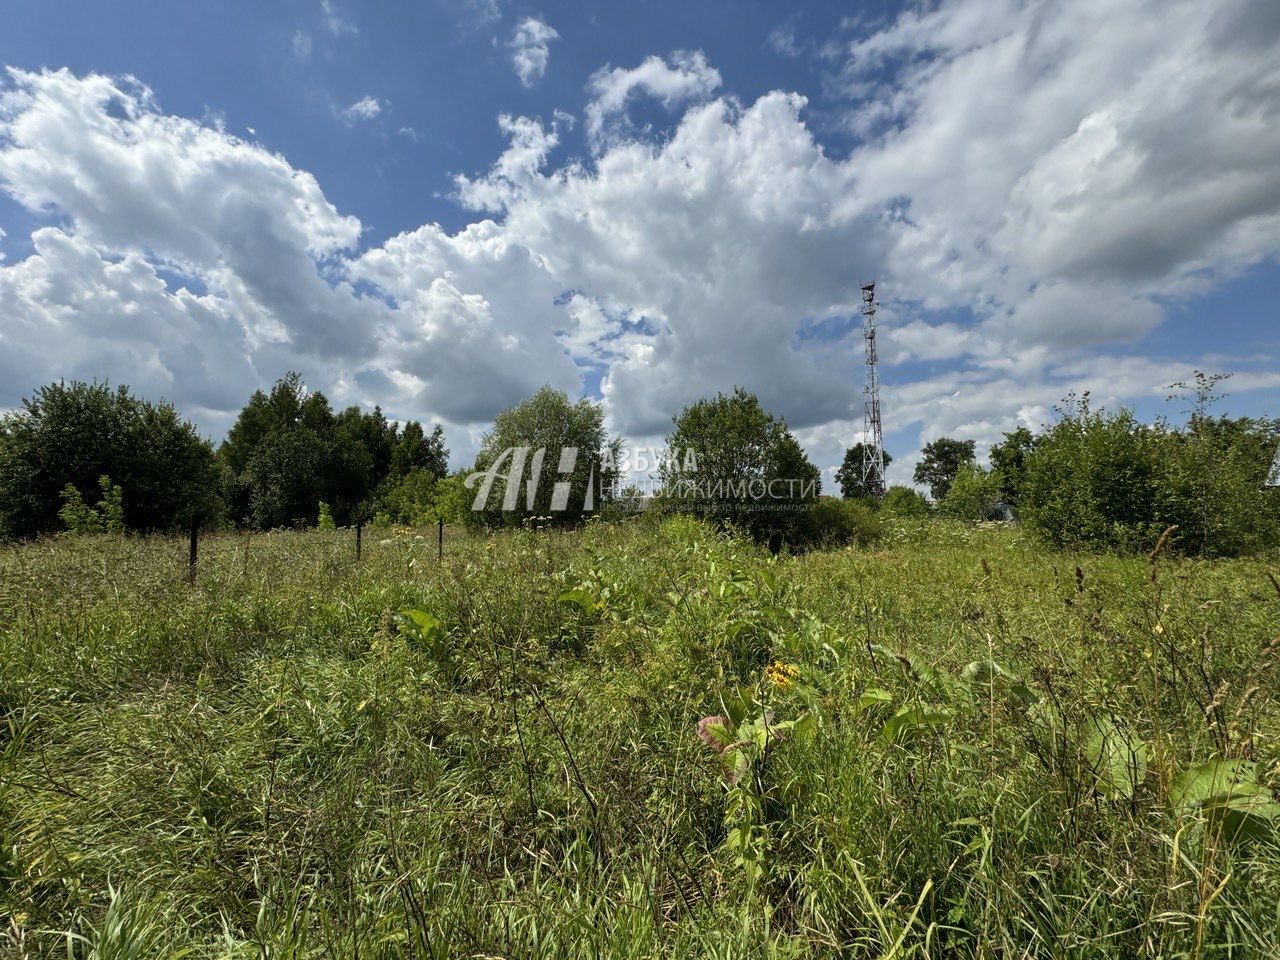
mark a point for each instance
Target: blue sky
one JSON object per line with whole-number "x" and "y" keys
{"x": 437, "y": 206}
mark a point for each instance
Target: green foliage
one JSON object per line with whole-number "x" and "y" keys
{"x": 325, "y": 519}
{"x": 1097, "y": 479}
{"x": 940, "y": 462}
{"x": 750, "y": 470}
{"x": 904, "y": 502}
{"x": 1009, "y": 462}
{"x": 76, "y": 515}
{"x": 549, "y": 421}
{"x": 288, "y": 451}
{"x": 849, "y": 474}
{"x": 639, "y": 740}
{"x": 974, "y": 494}
{"x": 828, "y": 523}
{"x": 1091, "y": 481}
{"x": 74, "y": 433}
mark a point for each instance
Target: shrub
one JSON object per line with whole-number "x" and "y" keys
{"x": 828, "y": 523}
{"x": 904, "y": 502}
{"x": 1104, "y": 480}
{"x": 974, "y": 495}
{"x": 1212, "y": 484}
{"x": 79, "y": 517}
{"x": 1090, "y": 481}
{"x": 75, "y": 433}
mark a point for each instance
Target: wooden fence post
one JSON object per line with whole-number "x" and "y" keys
{"x": 440, "y": 539}
{"x": 359, "y": 528}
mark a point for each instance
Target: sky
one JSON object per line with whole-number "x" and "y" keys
{"x": 438, "y": 206}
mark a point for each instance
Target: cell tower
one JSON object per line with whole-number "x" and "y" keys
{"x": 872, "y": 435}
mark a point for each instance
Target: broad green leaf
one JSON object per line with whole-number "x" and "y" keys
{"x": 1241, "y": 817}
{"x": 871, "y": 698}
{"x": 911, "y": 721}
{"x": 1213, "y": 779}
{"x": 1117, "y": 759}
{"x": 423, "y": 625}
{"x": 580, "y": 597}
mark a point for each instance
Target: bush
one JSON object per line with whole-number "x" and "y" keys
{"x": 1091, "y": 482}
{"x": 904, "y": 502}
{"x": 828, "y": 523}
{"x": 1104, "y": 480}
{"x": 325, "y": 519}
{"x": 75, "y": 433}
{"x": 974, "y": 495}
{"x": 1212, "y": 484}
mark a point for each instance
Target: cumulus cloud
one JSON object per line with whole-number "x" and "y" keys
{"x": 682, "y": 77}
{"x": 366, "y": 108}
{"x": 530, "y": 49}
{"x": 1023, "y": 181}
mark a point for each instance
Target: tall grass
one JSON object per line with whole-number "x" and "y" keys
{"x": 981, "y": 750}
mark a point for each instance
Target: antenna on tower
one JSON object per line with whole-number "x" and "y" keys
{"x": 872, "y": 434}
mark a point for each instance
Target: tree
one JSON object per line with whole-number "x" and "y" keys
{"x": 1009, "y": 462}
{"x": 940, "y": 461}
{"x": 1091, "y": 480}
{"x": 974, "y": 494}
{"x": 288, "y": 451}
{"x": 415, "y": 449}
{"x": 75, "y": 433}
{"x": 750, "y": 470}
{"x": 575, "y": 450}
{"x": 1214, "y": 484}
{"x": 849, "y": 476}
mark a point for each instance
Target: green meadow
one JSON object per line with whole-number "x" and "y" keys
{"x": 635, "y": 739}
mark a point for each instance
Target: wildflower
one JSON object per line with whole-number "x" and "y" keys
{"x": 781, "y": 674}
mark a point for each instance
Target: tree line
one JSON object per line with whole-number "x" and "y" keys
{"x": 90, "y": 457}
{"x": 1099, "y": 479}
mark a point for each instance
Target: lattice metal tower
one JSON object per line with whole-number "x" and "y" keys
{"x": 872, "y": 434}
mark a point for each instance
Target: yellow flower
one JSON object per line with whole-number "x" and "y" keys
{"x": 781, "y": 674}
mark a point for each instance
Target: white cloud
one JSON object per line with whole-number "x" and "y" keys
{"x": 335, "y": 21}
{"x": 684, "y": 76}
{"x": 530, "y": 49}
{"x": 366, "y": 108}
{"x": 1026, "y": 182}
{"x": 301, "y": 44}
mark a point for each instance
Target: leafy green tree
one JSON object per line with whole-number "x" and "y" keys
{"x": 940, "y": 461}
{"x": 1097, "y": 479}
{"x": 974, "y": 494}
{"x": 413, "y": 499}
{"x": 849, "y": 475}
{"x": 576, "y": 451}
{"x": 415, "y": 449}
{"x": 750, "y": 470}
{"x": 1091, "y": 480}
{"x": 1214, "y": 481}
{"x": 1009, "y": 462}
{"x": 288, "y": 451}
{"x": 75, "y": 433}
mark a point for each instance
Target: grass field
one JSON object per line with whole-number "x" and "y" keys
{"x": 950, "y": 744}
